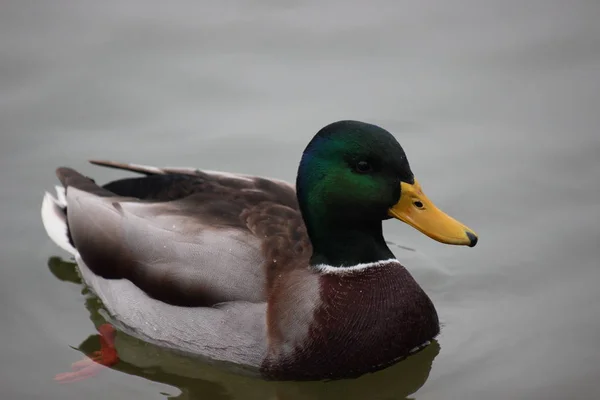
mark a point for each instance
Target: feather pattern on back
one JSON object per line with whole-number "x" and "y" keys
{"x": 167, "y": 230}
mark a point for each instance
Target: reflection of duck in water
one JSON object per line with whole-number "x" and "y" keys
{"x": 246, "y": 271}
{"x": 197, "y": 380}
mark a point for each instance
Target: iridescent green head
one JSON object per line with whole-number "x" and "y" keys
{"x": 352, "y": 176}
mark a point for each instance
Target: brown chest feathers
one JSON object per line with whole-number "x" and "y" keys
{"x": 337, "y": 325}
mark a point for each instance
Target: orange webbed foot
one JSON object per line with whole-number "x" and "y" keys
{"x": 91, "y": 365}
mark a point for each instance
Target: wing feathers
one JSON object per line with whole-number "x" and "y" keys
{"x": 190, "y": 238}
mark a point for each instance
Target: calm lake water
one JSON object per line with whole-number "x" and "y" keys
{"x": 495, "y": 102}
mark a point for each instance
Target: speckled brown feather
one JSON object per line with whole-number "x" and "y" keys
{"x": 285, "y": 243}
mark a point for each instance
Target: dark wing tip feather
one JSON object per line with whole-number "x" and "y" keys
{"x": 67, "y": 176}
{"x": 142, "y": 169}
{"x": 71, "y": 178}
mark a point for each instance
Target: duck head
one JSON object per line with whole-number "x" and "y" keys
{"x": 351, "y": 177}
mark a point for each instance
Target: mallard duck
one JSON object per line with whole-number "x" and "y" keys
{"x": 291, "y": 283}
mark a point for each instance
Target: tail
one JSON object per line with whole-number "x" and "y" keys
{"x": 54, "y": 218}
{"x": 54, "y": 209}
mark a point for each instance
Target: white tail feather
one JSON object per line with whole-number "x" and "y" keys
{"x": 54, "y": 220}
{"x": 61, "y": 196}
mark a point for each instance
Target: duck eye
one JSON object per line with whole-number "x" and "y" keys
{"x": 363, "y": 167}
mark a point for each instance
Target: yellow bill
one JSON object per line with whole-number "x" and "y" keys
{"x": 415, "y": 209}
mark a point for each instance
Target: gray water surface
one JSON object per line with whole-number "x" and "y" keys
{"x": 495, "y": 102}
